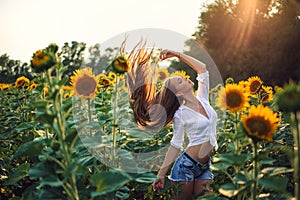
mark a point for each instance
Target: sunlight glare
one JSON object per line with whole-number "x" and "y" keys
{"x": 246, "y": 15}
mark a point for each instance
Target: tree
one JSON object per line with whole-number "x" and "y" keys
{"x": 72, "y": 56}
{"x": 10, "y": 70}
{"x": 197, "y": 51}
{"x": 100, "y": 63}
{"x": 253, "y": 37}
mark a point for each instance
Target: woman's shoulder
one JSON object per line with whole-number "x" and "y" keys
{"x": 184, "y": 111}
{"x": 202, "y": 99}
{"x": 180, "y": 111}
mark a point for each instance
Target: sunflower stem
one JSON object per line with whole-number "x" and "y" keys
{"x": 89, "y": 114}
{"x": 115, "y": 115}
{"x": 43, "y": 97}
{"x": 254, "y": 185}
{"x": 61, "y": 132}
{"x": 297, "y": 156}
{"x": 236, "y": 133}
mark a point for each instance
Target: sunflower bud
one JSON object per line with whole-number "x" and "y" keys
{"x": 229, "y": 80}
{"x": 288, "y": 99}
{"x": 44, "y": 59}
{"x": 120, "y": 65}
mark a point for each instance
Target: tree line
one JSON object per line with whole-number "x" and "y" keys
{"x": 253, "y": 37}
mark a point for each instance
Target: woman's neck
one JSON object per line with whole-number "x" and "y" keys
{"x": 190, "y": 100}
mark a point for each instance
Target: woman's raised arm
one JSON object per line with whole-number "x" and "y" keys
{"x": 195, "y": 64}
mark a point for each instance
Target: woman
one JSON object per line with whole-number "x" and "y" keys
{"x": 191, "y": 114}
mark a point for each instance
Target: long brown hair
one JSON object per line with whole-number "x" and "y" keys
{"x": 152, "y": 109}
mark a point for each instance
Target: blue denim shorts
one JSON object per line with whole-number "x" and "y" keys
{"x": 188, "y": 169}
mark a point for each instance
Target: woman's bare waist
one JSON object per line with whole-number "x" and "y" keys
{"x": 200, "y": 152}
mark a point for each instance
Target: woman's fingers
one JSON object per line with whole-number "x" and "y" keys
{"x": 167, "y": 54}
{"x": 155, "y": 185}
{"x": 158, "y": 184}
{"x": 164, "y": 54}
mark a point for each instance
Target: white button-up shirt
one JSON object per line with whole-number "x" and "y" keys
{"x": 198, "y": 127}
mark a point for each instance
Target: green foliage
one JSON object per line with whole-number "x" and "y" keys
{"x": 287, "y": 100}
{"x": 248, "y": 168}
{"x": 41, "y": 154}
{"x": 16, "y": 129}
{"x": 48, "y": 153}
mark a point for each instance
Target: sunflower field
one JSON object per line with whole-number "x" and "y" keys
{"x": 63, "y": 137}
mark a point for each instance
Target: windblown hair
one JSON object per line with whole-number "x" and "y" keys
{"x": 152, "y": 109}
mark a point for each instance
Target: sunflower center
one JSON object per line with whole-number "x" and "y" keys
{"x": 254, "y": 86}
{"x": 86, "y": 85}
{"x": 20, "y": 83}
{"x": 258, "y": 125}
{"x": 233, "y": 99}
{"x": 162, "y": 75}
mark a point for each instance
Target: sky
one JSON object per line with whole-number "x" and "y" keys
{"x": 29, "y": 25}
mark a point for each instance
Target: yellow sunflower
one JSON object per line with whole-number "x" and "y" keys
{"x": 162, "y": 74}
{"x": 244, "y": 84}
{"x": 180, "y": 73}
{"x": 67, "y": 88}
{"x": 68, "y": 95}
{"x": 233, "y": 97}
{"x": 46, "y": 90}
{"x": 67, "y": 91}
{"x": 102, "y": 76}
{"x": 104, "y": 81}
{"x": 84, "y": 83}
{"x": 112, "y": 76}
{"x": 254, "y": 83}
{"x": 21, "y": 81}
{"x": 266, "y": 94}
{"x": 261, "y": 122}
{"x": 120, "y": 65}
{"x": 4, "y": 86}
{"x": 33, "y": 86}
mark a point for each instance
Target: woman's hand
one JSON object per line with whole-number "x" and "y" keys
{"x": 158, "y": 184}
{"x": 168, "y": 54}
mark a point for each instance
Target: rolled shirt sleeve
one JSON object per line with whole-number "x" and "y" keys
{"x": 178, "y": 132}
{"x": 203, "y": 85}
